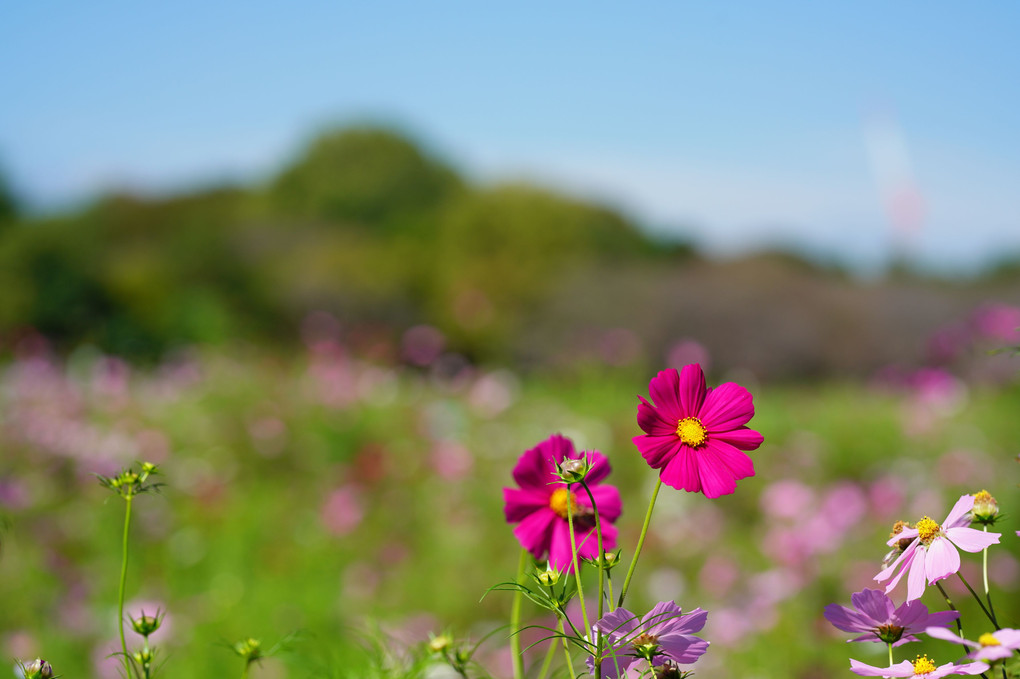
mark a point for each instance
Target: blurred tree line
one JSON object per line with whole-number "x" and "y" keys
{"x": 363, "y": 224}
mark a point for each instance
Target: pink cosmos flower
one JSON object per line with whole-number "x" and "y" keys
{"x": 922, "y": 668}
{"x": 694, "y": 435}
{"x": 539, "y": 506}
{"x": 664, "y": 636}
{"x": 932, "y": 554}
{"x": 875, "y": 618}
{"x": 997, "y": 645}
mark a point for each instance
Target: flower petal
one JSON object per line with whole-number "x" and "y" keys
{"x": 617, "y": 624}
{"x": 848, "y": 620}
{"x": 534, "y": 532}
{"x": 940, "y": 560}
{"x": 682, "y": 648}
{"x": 560, "y": 553}
{"x": 653, "y": 421}
{"x": 665, "y": 391}
{"x": 657, "y": 450}
{"x": 519, "y": 503}
{"x": 739, "y": 464}
{"x": 716, "y": 477}
{"x": 947, "y": 635}
{"x": 915, "y": 579}
{"x": 971, "y": 539}
{"x": 537, "y": 466}
{"x": 957, "y": 515}
{"x": 657, "y": 620}
{"x": 682, "y": 471}
{"x": 742, "y": 438}
{"x": 969, "y": 668}
{"x": 607, "y": 499}
{"x": 599, "y": 467}
{"x": 726, "y": 408}
{"x": 903, "y": 669}
{"x": 692, "y": 389}
{"x": 874, "y": 604}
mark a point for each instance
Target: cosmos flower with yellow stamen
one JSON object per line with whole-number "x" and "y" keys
{"x": 932, "y": 554}
{"x": 921, "y": 668}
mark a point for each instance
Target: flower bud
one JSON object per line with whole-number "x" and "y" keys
{"x": 146, "y": 624}
{"x": 440, "y": 643}
{"x": 985, "y": 510}
{"x": 573, "y": 471}
{"x": 549, "y": 576}
{"x": 38, "y": 669}
{"x": 249, "y": 649}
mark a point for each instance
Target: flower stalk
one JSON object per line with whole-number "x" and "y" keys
{"x": 515, "y": 619}
{"x": 640, "y": 543}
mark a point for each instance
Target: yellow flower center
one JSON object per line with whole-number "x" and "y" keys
{"x": 987, "y": 639}
{"x": 691, "y": 431}
{"x": 923, "y": 666}
{"x": 983, "y": 496}
{"x": 558, "y": 502}
{"x": 927, "y": 529}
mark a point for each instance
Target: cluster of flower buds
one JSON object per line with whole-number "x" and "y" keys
{"x": 129, "y": 483}
{"x": 454, "y": 655}
{"x": 37, "y": 669}
{"x": 609, "y": 559}
{"x": 249, "y": 649}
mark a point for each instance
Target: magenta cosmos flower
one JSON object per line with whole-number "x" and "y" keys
{"x": 932, "y": 555}
{"x": 989, "y": 647}
{"x": 663, "y": 636}
{"x": 539, "y": 506}
{"x": 922, "y": 668}
{"x": 694, "y": 435}
{"x": 875, "y": 618}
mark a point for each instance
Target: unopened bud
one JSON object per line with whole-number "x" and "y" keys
{"x": 249, "y": 649}
{"x": 440, "y": 643}
{"x": 573, "y": 471}
{"x": 38, "y": 669}
{"x": 146, "y": 624}
{"x": 548, "y": 576}
{"x": 985, "y": 510}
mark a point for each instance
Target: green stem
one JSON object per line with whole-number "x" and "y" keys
{"x": 978, "y": 599}
{"x": 890, "y": 654}
{"x": 244, "y": 671}
{"x": 573, "y": 554}
{"x": 548, "y": 661}
{"x": 984, "y": 569}
{"x": 959, "y": 621}
{"x": 609, "y": 591}
{"x": 566, "y": 648}
{"x": 128, "y": 666}
{"x": 602, "y": 580}
{"x": 640, "y": 543}
{"x": 515, "y": 620}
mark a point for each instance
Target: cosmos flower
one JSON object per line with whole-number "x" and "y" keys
{"x": 663, "y": 636}
{"x": 694, "y": 435}
{"x": 922, "y": 668}
{"x": 997, "y": 645}
{"x": 539, "y": 506}
{"x": 932, "y": 554}
{"x": 876, "y": 619}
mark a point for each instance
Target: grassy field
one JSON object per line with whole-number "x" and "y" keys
{"x": 340, "y": 498}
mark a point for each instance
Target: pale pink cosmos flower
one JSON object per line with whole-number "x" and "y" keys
{"x": 997, "y": 645}
{"x": 932, "y": 555}
{"x": 922, "y": 668}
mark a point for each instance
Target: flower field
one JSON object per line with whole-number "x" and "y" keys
{"x": 353, "y": 508}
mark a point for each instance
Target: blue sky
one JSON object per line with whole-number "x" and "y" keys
{"x": 745, "y": 126}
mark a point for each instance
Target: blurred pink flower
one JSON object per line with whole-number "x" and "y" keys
{"x": 451, "y": 460}
{"x": 687, "y": 352}
{"x": 342, "y": 511}
{"x": 540, "y": 505}
{"x": 695, "y": 435}
{"x": 997, "y": 322}
{"x": 422, "y": 344}
{"x": 989, "y": 647}
{"x": 787, "y": 499}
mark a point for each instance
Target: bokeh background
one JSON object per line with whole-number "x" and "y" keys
{"x": 335, "y": 266}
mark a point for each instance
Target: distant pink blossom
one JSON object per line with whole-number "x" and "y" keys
{"x": 695, "y": 435}
{"x": 933, "y": 553}
{"x": 540, "y": 505}
{"x": 343, "y": 511}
